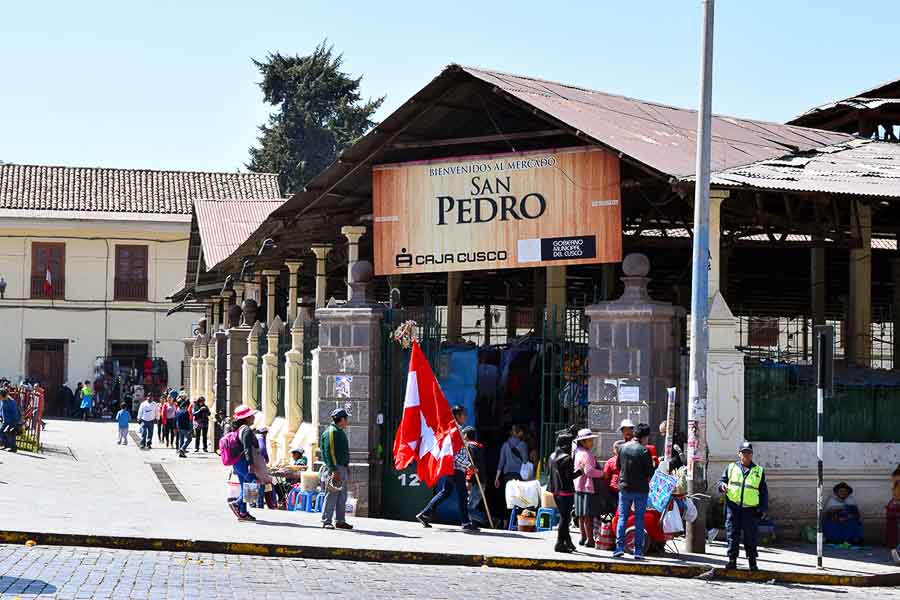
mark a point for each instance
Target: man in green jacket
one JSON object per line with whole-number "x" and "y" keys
{"x": 336, "y": 456}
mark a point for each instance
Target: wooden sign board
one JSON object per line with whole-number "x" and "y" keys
{"x": 528, "y": 209}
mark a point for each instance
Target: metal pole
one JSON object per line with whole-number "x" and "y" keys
{"x": 822, "y": 351}
{"x": 696, "y": 533}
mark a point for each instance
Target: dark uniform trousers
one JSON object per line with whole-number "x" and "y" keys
{"x": 741, "y": 522}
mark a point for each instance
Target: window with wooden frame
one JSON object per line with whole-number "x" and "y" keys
{"x": 48, "y": 270}
{"x": 131, "y": 273}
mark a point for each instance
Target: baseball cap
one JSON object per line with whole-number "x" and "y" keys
{"x": 745, "y": 447}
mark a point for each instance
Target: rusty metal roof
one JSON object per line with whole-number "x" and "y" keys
{"x": 660, "y": 136}
{"x": 226, "y": 224}
{"x": 859, "y": 167}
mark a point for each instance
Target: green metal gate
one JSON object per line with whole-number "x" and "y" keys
{"x": 564, "y": 389}
{"x": 310, "y": 343}
{"x": 403, "y": 494}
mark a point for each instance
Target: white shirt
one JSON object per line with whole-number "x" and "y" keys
{"x": 148, "y": 411}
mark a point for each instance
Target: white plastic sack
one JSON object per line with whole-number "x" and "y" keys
{"x": 690, "y": 510}
{"x": 526, "y": 471}
{"x": 672, "y": 522}
{"x": 523, "y": 494}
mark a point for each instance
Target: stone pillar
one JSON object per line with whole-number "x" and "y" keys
{"x": 321, "y": 251}
{"x": 235, "y": 351}
{"x": 202, "y": 375}
{"x": 725, "y": 387}
{"x": 454, "y": 307}
{"x": 238, "y": 293}
{"x": 352, "y": 233}
{"x": 293, "y": 267}
{"x": 633, "y": 356}
{"x": 293, "y": 377}
{"x": 271, "y": 276}
{"x": 216, "y": 311}
{"x": 716, "y": 198}
{"x": 349, "y": 376}
{"x": 227, "y": 295}
{"x": 211, "y": 368}
{"x": 250, "y": 368}
{"x": 556, "y": 297}
{"x": 269, "y": 400}
{"x": 859, "y": 339}
{"x": 194, "y": 390}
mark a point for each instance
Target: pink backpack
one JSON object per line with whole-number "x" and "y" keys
{"x": 230, "y": 448}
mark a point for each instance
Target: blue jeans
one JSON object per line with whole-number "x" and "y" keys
{"x": 184, "y": 439}
{"x": 242, "y": 470}
{"x": 639, "y": 499}
{"x": 146, "y": 434}
{"x": 447, "y": 485}
{"x": 9, "y": 439}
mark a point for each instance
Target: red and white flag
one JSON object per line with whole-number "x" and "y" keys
{"x": 428, "y": 432}
{"x": 48, "y": 283}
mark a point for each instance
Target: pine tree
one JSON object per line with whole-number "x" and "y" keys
{"x": 319, "y": 113}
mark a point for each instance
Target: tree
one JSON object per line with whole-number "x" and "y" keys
{"x": 319, "y": 113}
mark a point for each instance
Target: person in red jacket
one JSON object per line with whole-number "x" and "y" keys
{"x": 611, "y": 469}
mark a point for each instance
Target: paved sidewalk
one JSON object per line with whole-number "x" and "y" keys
{"x": 86, "y": 485}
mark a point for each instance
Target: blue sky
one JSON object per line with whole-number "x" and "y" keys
{"x": 170, "y": 85}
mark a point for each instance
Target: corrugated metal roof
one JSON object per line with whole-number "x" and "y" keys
{"x": 858, "y": 167}
{"x": 660, "y": 136}
{"x": 225, "y": 224}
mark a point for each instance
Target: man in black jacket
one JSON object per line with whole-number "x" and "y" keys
{"x": 635, "y": 471}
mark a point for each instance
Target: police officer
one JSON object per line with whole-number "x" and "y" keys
{"x": 746, "y": 501}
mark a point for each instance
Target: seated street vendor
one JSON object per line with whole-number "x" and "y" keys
{"x": 841, "y": 522}
{"x": 298, "y": 458}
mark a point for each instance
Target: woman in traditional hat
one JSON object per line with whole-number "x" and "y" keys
{"x": 586, "y": 463}
{"x": 842, "y": 523}
{"x": 242, "y": 420}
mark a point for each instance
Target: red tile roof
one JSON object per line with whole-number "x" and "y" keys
{"x": 225, "y": 224}
{"x": 36, "y": 187}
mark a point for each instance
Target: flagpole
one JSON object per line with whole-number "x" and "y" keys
{"x": 477, "y": 480}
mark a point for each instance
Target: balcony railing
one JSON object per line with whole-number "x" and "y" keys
{"x": 58, "y": 290}
{"x": 131, "y": 289}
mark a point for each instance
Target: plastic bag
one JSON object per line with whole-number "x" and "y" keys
{"x": 526, "y": 471}
{"x": 672, "y": 522}
{"x": 690, "y": 511}
{"x": 251, "y": 493}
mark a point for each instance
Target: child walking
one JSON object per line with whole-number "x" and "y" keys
{"x": 123, "y": 417}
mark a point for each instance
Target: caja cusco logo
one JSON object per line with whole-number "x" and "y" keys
{"x": 406, "y": 260}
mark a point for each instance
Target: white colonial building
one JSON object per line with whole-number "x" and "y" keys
{"x": 88, "y": 257}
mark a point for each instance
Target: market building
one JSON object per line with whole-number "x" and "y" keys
{"x": 88, "y": 257}
{"x": 563, "y": 215}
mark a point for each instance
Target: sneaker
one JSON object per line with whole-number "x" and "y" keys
{"x": 424, "y": 520}
{"x": 327, "y": 526}
{"x": 470, "y": 527}
{"x": 753, "y": 565}
{"x": 246, "y": 517}
{"x": 618, "y": 554}
{"x": 563, "y": 548}
{"x": 344, "y": 525}
{"x": 639, "y": 557}
{"x": 895, "y": 556}
{"x": 234, "y": 508}
{"x": 731, "y": 564}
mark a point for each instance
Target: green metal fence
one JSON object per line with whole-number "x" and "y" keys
{"x": 403, "y": 493}
{"x": 780, "y": 406}
{"x": 564, "y": 361}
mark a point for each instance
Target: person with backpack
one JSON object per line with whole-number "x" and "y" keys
{"x": 200, "y": 412}
{"x": 237, "y": 449}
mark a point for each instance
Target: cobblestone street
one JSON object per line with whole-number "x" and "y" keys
{"x": 64, "y": 572}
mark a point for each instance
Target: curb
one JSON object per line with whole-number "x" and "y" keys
{"x": 434, "y": 558}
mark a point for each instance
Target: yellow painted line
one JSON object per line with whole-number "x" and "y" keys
{"x": 433, "y": 558}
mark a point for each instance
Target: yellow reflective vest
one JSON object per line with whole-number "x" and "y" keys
{"x": 744, "y": 491}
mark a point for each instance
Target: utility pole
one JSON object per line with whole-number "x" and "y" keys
{"x": 696, "y": 468}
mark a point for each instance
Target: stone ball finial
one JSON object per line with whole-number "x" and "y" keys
{"x": 361, "y": 272}
{"x": 636, "y": 265}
